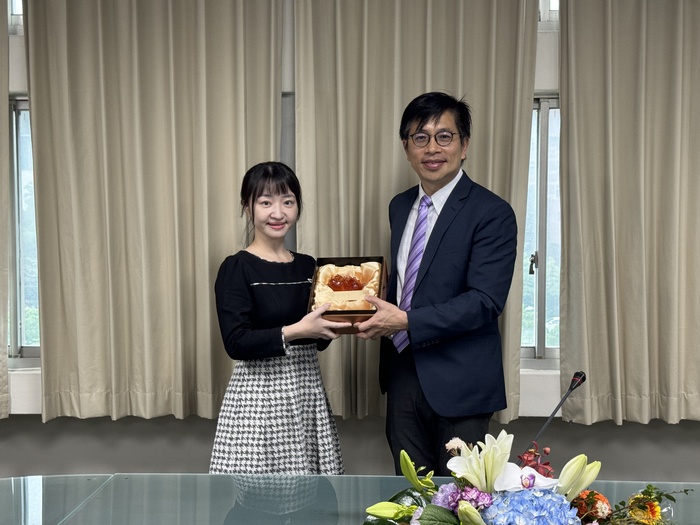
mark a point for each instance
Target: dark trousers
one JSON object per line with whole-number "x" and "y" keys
{"x": 412, "y": 425}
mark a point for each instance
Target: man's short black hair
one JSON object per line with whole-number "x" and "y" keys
{"x": 430, "y": 107}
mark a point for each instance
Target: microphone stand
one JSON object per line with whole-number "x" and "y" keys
{"x": 579, "y": 377}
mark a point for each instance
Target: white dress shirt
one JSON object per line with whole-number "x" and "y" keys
{"x": 439, "y": 199}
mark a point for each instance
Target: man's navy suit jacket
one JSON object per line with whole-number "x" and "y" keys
{"x": 461, "y": 290}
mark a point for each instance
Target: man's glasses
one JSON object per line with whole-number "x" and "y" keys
{"x": 443, "y": 138}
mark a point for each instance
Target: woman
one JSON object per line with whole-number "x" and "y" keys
{"x": 275, "y": 417}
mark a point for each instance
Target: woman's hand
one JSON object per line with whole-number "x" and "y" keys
{"x": 314, "y": 326}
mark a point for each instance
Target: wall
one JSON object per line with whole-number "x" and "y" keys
{"x": 653, "y": 452}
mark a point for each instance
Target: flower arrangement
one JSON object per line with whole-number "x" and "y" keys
{"x": 488, "y": 490}
{"x": 642, "y": 508}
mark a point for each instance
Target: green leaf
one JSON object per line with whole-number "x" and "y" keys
{"x": 409, "y": 496}
{"x": 436, "y": 515}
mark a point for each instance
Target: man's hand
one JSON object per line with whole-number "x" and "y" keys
{"x": 386, "y": 321}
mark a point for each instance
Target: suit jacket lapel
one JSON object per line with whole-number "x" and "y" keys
{"x": 454, "y": 204}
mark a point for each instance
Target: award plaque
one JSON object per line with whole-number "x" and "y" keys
{"x": 344, "y": 282}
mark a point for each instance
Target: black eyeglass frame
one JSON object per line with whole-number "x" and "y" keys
{"x": 437, "y": 141}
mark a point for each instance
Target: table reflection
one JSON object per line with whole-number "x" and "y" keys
{"x": 151, "y": 499}
{"x": 270, "y": 499}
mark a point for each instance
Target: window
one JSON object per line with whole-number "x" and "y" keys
{"x": 549, "y": 10}
{"x": 24, "y": 338}
{"x": 542, "y": 245}
{"x": 15, "y": 21}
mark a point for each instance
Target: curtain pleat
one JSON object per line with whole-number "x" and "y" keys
{"x": 5, "y": 215}
{"x": 145, "y": 116}
{"x": 358, "y": 64}
{"x": 630, "y": 241}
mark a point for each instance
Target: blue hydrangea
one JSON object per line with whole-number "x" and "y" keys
{"x": 530, "y": 507}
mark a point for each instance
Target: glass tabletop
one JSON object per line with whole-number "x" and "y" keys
{"x": 232, "y": 499}
{"x": 38, "y": 499}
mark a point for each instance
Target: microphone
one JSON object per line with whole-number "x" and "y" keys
{"x": 576, "y": 381}
{"x": 579, "y": 377}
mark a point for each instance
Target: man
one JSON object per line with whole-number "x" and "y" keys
{"x": 440, "y": 363}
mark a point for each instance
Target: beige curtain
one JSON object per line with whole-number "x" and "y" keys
{"x": 5, "y": 216}
{"x": 358, "y": 64}
{"x": 145, "y": 117}
{"x": 631, "y": 243}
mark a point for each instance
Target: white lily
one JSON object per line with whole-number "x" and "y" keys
{"x": 589, "y": 475}
{"x": 495, "y": 457}
{"x": 576, "y": 475}
{"x": 570, "y": 473}
{"x": 469, "y": 466}
{"x": 513, "y": 478}
{"x": 482, "y": 464}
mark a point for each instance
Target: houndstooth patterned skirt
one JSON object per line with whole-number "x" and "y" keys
{"x": 276, "y": 418}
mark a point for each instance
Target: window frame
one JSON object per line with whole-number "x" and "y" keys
{"x": 15, "y": 348}
{"x": 540, "y": 356}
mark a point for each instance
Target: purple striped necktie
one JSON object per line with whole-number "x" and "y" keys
{"x": 415, "y": 254}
